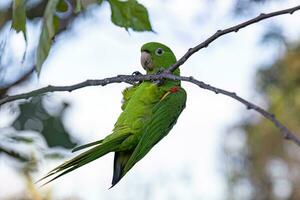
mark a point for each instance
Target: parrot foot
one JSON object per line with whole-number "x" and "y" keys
{"x": 136, "y": 73}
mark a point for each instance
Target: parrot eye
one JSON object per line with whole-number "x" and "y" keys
{"x": 159, "y": 51}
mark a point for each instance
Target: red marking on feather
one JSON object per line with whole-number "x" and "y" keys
{"x": 174, "y": 89}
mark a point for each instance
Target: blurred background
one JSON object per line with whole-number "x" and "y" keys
{"x": 217, "y": 150}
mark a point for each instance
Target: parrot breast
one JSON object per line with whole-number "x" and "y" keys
{"x": 139, "y": 108}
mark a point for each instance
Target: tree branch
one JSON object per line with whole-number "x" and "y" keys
{"x": 167, "y": 75}
{"x": 14, "y": 154}
{"x": 235, "y": 28}
{"x": 287, "y": 134}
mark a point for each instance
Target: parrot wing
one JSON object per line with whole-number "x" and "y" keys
{"x": 165, "y": 115}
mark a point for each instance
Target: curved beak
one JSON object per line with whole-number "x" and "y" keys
{"x": 146, "y": 61}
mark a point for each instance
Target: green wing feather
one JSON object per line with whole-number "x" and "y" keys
{"x": 165, "y": 115}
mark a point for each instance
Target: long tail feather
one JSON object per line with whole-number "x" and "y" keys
{"x": 84, "y": 158}
{"x": 86, "y": 145}
{"x": 120, "y": 161}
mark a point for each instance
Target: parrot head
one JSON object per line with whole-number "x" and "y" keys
{"x": 156, "y": 56}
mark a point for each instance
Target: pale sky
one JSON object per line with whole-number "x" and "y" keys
{"x": 186, "y": 164}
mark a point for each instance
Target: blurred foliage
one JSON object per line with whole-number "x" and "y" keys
{"x": 58, "y": 14}
{"x": 274, "y": 34}
{"x": 246, "y": 7}
{"x": 33, "y": 116}
{"x": 25, "y": 141}
{"x": 265, "y": 161}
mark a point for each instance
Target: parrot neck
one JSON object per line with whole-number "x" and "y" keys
{"x": 170, "y": 83}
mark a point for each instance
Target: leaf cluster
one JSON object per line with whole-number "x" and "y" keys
{"x": 58, "y": 14}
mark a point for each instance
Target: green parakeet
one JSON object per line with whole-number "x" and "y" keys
{"x": 149, "y": 111}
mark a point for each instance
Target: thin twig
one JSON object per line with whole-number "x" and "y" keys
{"x": 14, "y": 154}
{"x": 220, "y": 33}
{"x": 135, "y": 78}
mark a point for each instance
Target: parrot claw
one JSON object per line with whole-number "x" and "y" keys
{"x": 136, "y": 73}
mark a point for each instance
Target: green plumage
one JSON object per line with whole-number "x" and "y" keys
{"x": 149, "y": 112}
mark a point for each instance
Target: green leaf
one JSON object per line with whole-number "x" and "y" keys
{"x": 130, "y": 14}
{"x": 47, "y": 34}
{"x": 19, "y": 16}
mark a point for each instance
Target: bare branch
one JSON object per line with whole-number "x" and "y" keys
{"x": 13, "y": 154}
{"x": 235, "y": 28}
{"x": 167, "y": 75}
{"x": 287, "y": 134}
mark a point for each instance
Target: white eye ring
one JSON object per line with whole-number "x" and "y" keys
{"x": 159, "y": 51}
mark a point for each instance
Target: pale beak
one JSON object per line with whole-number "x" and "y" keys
{"x": 146, "y": 61}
